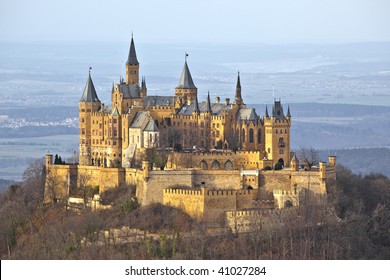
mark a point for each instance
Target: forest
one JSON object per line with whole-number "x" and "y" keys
{"x": 354, "y": 224}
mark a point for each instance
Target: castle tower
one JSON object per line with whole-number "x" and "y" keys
{"x": 88, "y": 104}
{"x": 186, "y": 87}
{"x": 144, "y": 89}
{"x": 277, "y": 134}
{"x": 132, "y": 66}
{"x": 238, "y": 98}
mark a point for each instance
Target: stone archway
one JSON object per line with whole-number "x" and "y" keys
{"x": 281, "y": 161}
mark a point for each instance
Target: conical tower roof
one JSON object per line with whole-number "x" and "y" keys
{"x": 186, "y": 81}
{"x": 208, "y": 103}
{"x": 89, "y": 94}
{"x": 132, "y": 59}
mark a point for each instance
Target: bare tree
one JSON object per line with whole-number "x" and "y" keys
{"x": 309, "y": 156}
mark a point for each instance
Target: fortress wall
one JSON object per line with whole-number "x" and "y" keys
{"x": 216, "y": 203}
{"x": 218, "y": 179}
{"x": 190, "y": 201}
{"x": 247, "y": 159}
{"x": 308, "y": 180}
{"x": 152, "y": 189}
{"x": 272, "y": 180}
{"x": 246, "y": 199}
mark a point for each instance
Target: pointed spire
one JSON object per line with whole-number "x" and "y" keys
{"x": 238, "y": 97}
{"x": 89, "y": 94}
{"x": 266, "y": 111}
{"x": 196, "y": 109}
{"x": 288, "y": 112}
{"x": 185, "y": 78}
{"x": 132, "y": 59}
{"x": 112, "y": 90}
{"x": 208, "y": 103}
{"x": 238, "y": 80}
{"x": 273, "y": 110}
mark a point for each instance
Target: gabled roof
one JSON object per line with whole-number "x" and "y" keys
{"x": 140, "y": 119}
{"x": 186, "y": 79}
{"x": 129, "y": 90}
{"x": 158, "y": 100}
{"x": 151, "y": 126}
{"x": 132, "y": 59}
{"x": 216, "y": 108}
{"x": 89, "y": 94}
{"x": 247, "y": 114}
{"x": 115, "y": 112}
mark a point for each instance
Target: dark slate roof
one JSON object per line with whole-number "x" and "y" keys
{"x": 132, "y": 59}
{"x": 266, "y": 111}
{"x": 247, "y": 114}
{"x": 129, "y": 91}
{"x": 159, "y": 100}
{"x": 107, "y": 109}
{"x": 208, "y": 103}
{"x": 277, "y": 110}
{"x": 186, "y": 79}
{"x": 89, "y": 94}
{"x": 151, "y": 126}
{"x": 216, "y": 108}
{"x": 139, "y": 119}
{"x": 288, "y": 112}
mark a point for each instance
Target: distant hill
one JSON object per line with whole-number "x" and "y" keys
{"x": 362, "y": 161}
{"x": 4, "y": 184}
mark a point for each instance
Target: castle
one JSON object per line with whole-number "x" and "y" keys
{"x": 221, "y": 154}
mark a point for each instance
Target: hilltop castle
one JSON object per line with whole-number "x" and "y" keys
{"x": 110, "y": 135}
{"x": 228, "y": 159}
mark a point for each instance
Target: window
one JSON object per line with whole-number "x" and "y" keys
{"x": 281, "y": 151}
{"x": 82, "y": 120}
{"x": 251, "y": 135}
{"x": 243, "y": 134}
{"x": 276, "y": 131}
{"x": 269, "y": 150}
{"x": 258, "y": 136}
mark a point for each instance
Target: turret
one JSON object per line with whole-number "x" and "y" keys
{"x": 238, "y": 97}
{"x": 88, "y": 104}
{"x": 208, "y": 103}
{"x": 132, "y": 66}
{"x": 277, "y": 135}
{"x": 332, "y": 160}
{"x": 294, "y": 164}
{"x": 186, "y": 86}
{"x": 144, "y": 89}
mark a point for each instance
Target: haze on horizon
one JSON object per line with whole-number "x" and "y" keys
{"x": 201, "y": 21}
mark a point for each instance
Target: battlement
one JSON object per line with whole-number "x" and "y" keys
{"x": 183, "y": 192}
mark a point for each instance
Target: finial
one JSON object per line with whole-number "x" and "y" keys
{"x": 238, "y": 73}
{"x": 90, "y": 68}
{"x": 131, "y": 34}
{"x": 186, "y": 55}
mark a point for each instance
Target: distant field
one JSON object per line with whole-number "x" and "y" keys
{"x": 17, "y": 153}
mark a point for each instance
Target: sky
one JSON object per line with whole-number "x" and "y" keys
{"x": 196, "y": 21}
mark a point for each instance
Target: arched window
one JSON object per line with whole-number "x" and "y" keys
{"x": 258, "y": 136}
{"x": 243, "y": 135}
{"x": 281, "y": 131}
{"x": 228, "y": 165}
{"x": 215, "y": 165}
{"x": 203, "y": 165}
{"x": 251, "y": 135}
{"x": 288, "y": 204}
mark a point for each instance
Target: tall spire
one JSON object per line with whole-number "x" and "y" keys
{"x": 266, "y": 111}
{"x": 89, "y": 94}
{"x": 288, "y": 112}
{"x": 238, "y": 98}
{"x": 185, "y": 78}
{"x": 197, "y": 110}
{"x": 208, "y": 103}
{"x": 132, "y": 59}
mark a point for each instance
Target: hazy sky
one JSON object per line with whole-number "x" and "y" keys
{"x": 203, "y": 21}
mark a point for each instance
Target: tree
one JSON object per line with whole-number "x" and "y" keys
{"x": 309, "y": 156}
